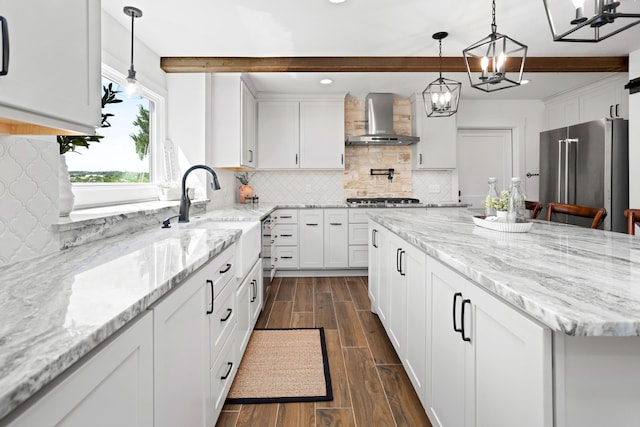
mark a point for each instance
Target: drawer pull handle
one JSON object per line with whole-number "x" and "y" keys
{"x": 286, "y": 216}
{"x": 286, "y": 235}
{"x": 312, "y": 224}
{"x": 286, "y": 257}
{"x": 225, "y": 318}
{"x": 335, "y": 223}
{"x": 210, "y": 282}
{"x": 227, "y": 268}
{"x": 225, "y": 376}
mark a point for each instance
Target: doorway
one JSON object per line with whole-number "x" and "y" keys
{"x": 483, "y": 153}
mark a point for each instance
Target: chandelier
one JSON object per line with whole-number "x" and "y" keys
{"x": 495, "y": 62}
{"x": 442, "y": 95}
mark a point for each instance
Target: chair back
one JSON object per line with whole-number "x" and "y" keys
{"x": 633, "y": 217}
{"x": 597, "y": 214}
{"x": 534, "y": 207}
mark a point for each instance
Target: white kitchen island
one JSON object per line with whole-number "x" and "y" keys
{"x": 503, "y": 329}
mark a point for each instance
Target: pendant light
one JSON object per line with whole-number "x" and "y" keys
{"x": 442, "y": 95}
{"x": 609, "y": 18}
{"x": 131, "y": 85}
{"x": 495, "y": 62}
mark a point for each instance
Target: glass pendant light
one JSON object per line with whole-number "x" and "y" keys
{"x": 495, "y": 62}
{"x": 609, "y": 18}
{"x": 441, "y": 96}
{"x": 131, "y": 85}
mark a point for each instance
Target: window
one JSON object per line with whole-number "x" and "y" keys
{"x": 123, "y": 166}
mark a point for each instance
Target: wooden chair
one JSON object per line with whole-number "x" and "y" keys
{"x": 633, "y": 217}
{"x": 534, "y": 207}
{"x": 584, "y": 211}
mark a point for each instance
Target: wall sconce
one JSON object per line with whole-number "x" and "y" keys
{"x": 442, "y": 95}
{"x": 609, "y": 18}
{"x": 131, "y": 85}
{"x": 489, "y": 58}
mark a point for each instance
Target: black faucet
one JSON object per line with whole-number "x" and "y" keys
{"x": 185, "y": 203}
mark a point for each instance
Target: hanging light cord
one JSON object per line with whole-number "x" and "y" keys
{"x": 132, "y": 18}
{"x": 494, "y": 27}
{"x": 440, "y": 51}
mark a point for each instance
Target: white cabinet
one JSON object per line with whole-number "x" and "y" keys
{"x": 358, "y": 238}
{"x": 231, "y": 133}
{"x": 54, "y": 67}
{"x": 311, "y": 227}
{"x": 490, "y": 365}
{"x": 285, "y": 236}
{"x": 607, "y": 98}
{"x": 375, "y": 255}
{"x": 438, "y": 136}
{"x": 301, "y": 134}
{"x": 249, "y": 300}
{"x": 112, "y": 387}
{"x": 336, "y": 238}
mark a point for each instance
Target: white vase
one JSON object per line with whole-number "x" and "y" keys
{"x": 65, "y": 195}
{"x": 502, "y": 216}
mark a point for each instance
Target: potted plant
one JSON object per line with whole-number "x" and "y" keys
{"x": 501, "y": 205}
{"x": 245, "y": 189}
{"x": 69, "y": 143}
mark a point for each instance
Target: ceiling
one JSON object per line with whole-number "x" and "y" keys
{"x": 305, "y": 28}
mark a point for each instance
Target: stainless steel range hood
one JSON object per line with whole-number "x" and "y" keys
{"x": 379, "y": 123}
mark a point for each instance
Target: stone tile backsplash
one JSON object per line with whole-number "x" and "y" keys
{"x": 28, "y": 198}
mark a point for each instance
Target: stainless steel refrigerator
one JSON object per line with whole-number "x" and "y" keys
{"x": 587, "y": 164}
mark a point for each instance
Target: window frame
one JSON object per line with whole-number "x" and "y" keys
{"x": 89, "y": 195}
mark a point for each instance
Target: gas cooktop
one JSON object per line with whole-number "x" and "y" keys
{"x": 381, "y": 200}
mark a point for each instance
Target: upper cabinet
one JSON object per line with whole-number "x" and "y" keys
{"x": 53, "y": 80}
{"x": 231, "y": 121}
{"x": 295, "y": 133}
{"x": 604, "y": 99}
{"x": 437, "y": 146}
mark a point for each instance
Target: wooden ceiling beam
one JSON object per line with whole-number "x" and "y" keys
{"x": 359, "y": 64}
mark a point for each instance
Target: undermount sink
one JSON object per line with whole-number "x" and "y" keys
{"x": 247, "y": 246}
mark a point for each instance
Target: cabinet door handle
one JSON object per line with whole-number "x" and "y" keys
{"x": 250, "y": 156}
{"x": 227, "y": 268}
{"x": 253, "y": 290}
{"x": 210, "y": 282}
{"x": 611, "y": 110}
{"x": 225, "y": 318}
{"x": 335, "y": 223}
{"x": 296, "y": 158}
{"x": 402, "y": 272}
{"x": 398, "y": 259}
{"x": 342, "y": 159}
{"x": 455, "y": 303}
{"x": 225, "y": 376}
{"x": 617, "y": 112}
{"x": 4, "y": 29}
{"x": 420, "y": 158}
{"x": 374, "y": 233}
{"x": 464, "y": 338}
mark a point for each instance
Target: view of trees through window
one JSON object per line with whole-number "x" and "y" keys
{"x": 122, "y": 155}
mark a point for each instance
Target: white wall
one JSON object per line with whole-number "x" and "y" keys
{"x": 634, "y": 133}
{"x": 524, "y": 117}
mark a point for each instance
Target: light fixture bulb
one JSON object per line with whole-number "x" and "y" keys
{"x": 484, "y": 63}
{"x": 434, "y": 98}
{"x": 326, "y": 81}
{"x": 447, "y": 96}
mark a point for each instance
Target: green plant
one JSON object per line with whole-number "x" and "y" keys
{"x": 71, "y": 142}
{"x": 500, "y": 203}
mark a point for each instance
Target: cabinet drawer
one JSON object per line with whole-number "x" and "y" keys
{"x": 221, "y": 270}
{"x": 358, "y": 234}
{"x": 286, "y": 234}
{"x": 358, "y": 215}
{"x": 286, "y": 216}
{"x": 359, "y": 256}
{"x": 222, "y": 375}
{"x": 286, "y": 257}
{"x": 221, "y": 321}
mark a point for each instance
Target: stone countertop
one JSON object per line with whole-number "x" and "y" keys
{"x": 576, "y": 280}
{"x": 56, "y": 308}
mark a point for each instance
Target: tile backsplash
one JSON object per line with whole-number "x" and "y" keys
{"x": 28, "y": 198}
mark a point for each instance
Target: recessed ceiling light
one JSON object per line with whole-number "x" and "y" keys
{"x": 326, "y": 81}
{"x": 337, "y": 1}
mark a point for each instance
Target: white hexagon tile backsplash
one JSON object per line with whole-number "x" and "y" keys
{"x": 28, "y": 198}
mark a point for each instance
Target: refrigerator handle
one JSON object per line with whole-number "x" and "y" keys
{"x": 569, "y": 172}
{"x": 559, "y": 180}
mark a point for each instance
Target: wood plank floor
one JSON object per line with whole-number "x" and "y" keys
{"x": 370, "y": 386}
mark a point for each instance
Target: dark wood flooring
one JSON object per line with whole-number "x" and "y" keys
{"x": 370, "y": 386}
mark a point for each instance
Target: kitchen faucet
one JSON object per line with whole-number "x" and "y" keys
{"x": 185, "y": 202}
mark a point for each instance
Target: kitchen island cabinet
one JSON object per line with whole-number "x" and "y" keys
{"x": 505, "y": 308}
{"x": 46, "y": 56}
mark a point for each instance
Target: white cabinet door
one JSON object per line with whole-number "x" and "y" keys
{"x": 232, "y": 121}
{"x": 114, "y": 387}
{"x": 388, "y": 265}
{"x": 438, "y": 136}
{"x": 311, "y": 223}
{"x": 255, "y": 294}
{"x": 54, "y": 67}
{"x": 336, "y": 238}
{"x": 322, "y": 134}
{"x": 374, "y": 265}
{"x": 181, "y": 355}
{"x": 397, "y": 294}
{"x": 278, "y": 134}
{"x": 249, "y": 127}
{"x": 249, "y": 301}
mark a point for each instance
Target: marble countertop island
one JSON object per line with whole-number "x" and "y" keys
{"x": 576, "y": 280}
